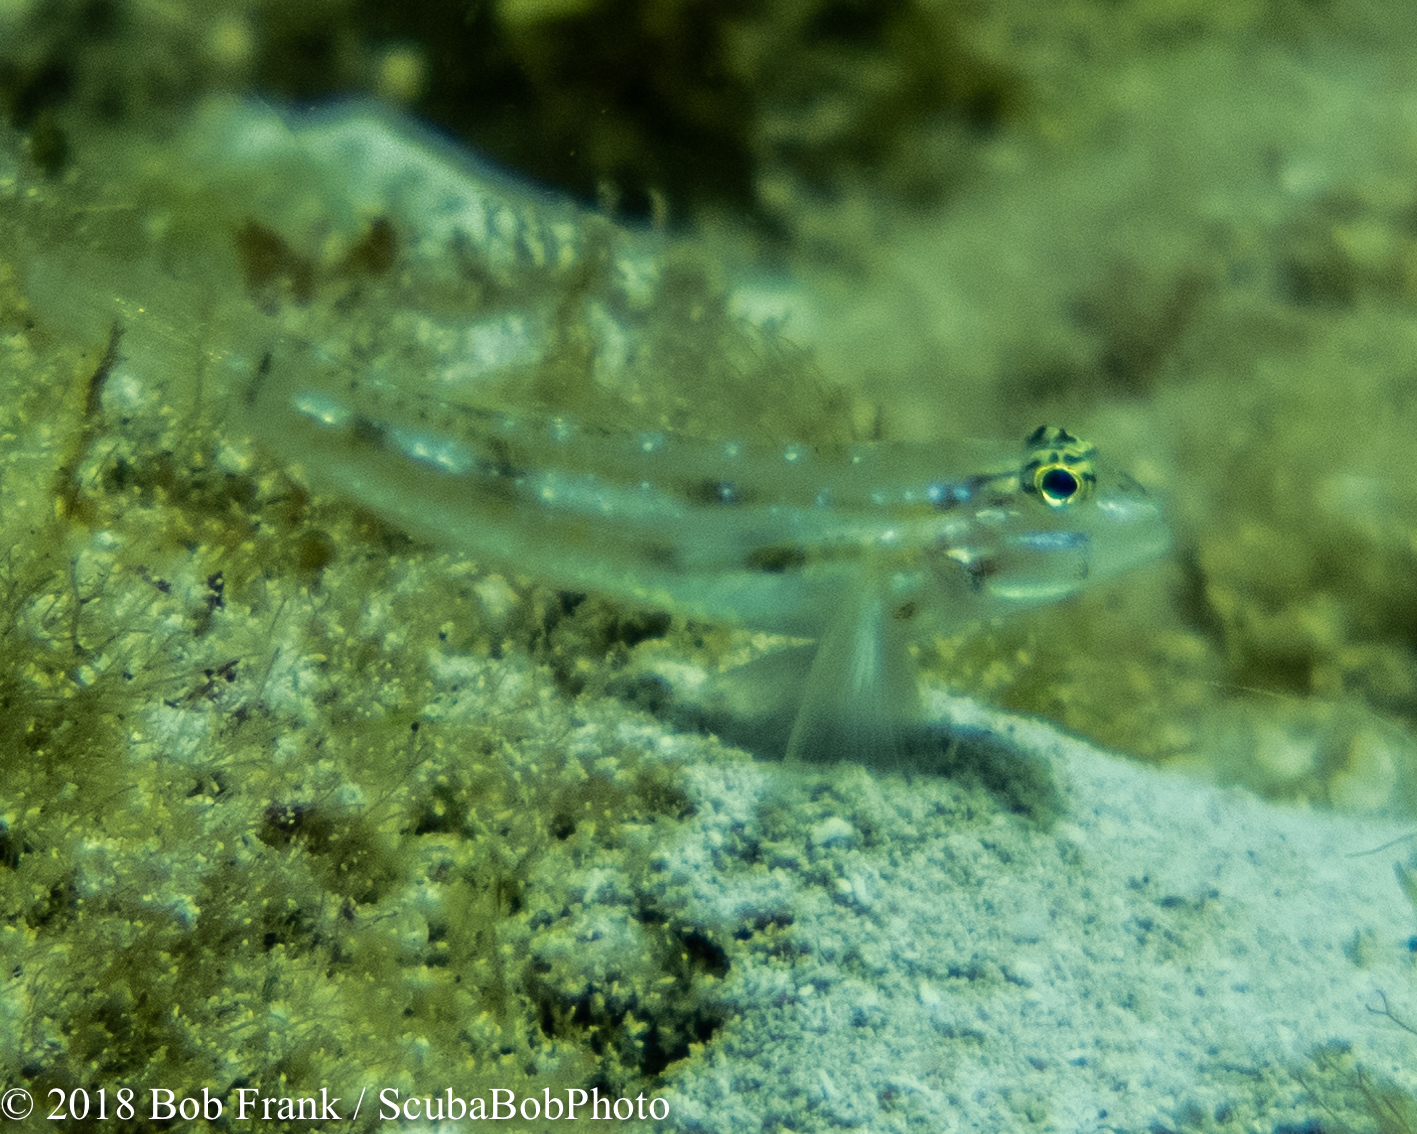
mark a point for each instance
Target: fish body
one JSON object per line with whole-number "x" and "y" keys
{"x": 854, "y": 546}
{"x": 770, "y": 537}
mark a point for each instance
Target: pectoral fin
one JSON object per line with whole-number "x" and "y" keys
{"x": 860, "y": 700}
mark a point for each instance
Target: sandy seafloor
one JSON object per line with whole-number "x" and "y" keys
{"x": 1160, "y": 958}
{"x": 1206, "y": 261}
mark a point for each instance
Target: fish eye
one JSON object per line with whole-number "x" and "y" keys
{"x": 1056, "y": 485}
{"x": 1057, "y": 467}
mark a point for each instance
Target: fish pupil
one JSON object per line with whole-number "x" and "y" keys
{"x": 1058, "y": 485}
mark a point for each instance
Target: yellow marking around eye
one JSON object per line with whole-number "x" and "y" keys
{"x": 1058, "y": 468}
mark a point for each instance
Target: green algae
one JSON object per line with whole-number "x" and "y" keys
{"x": 283, "y": 864}
{"x": 271, "y": 815}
